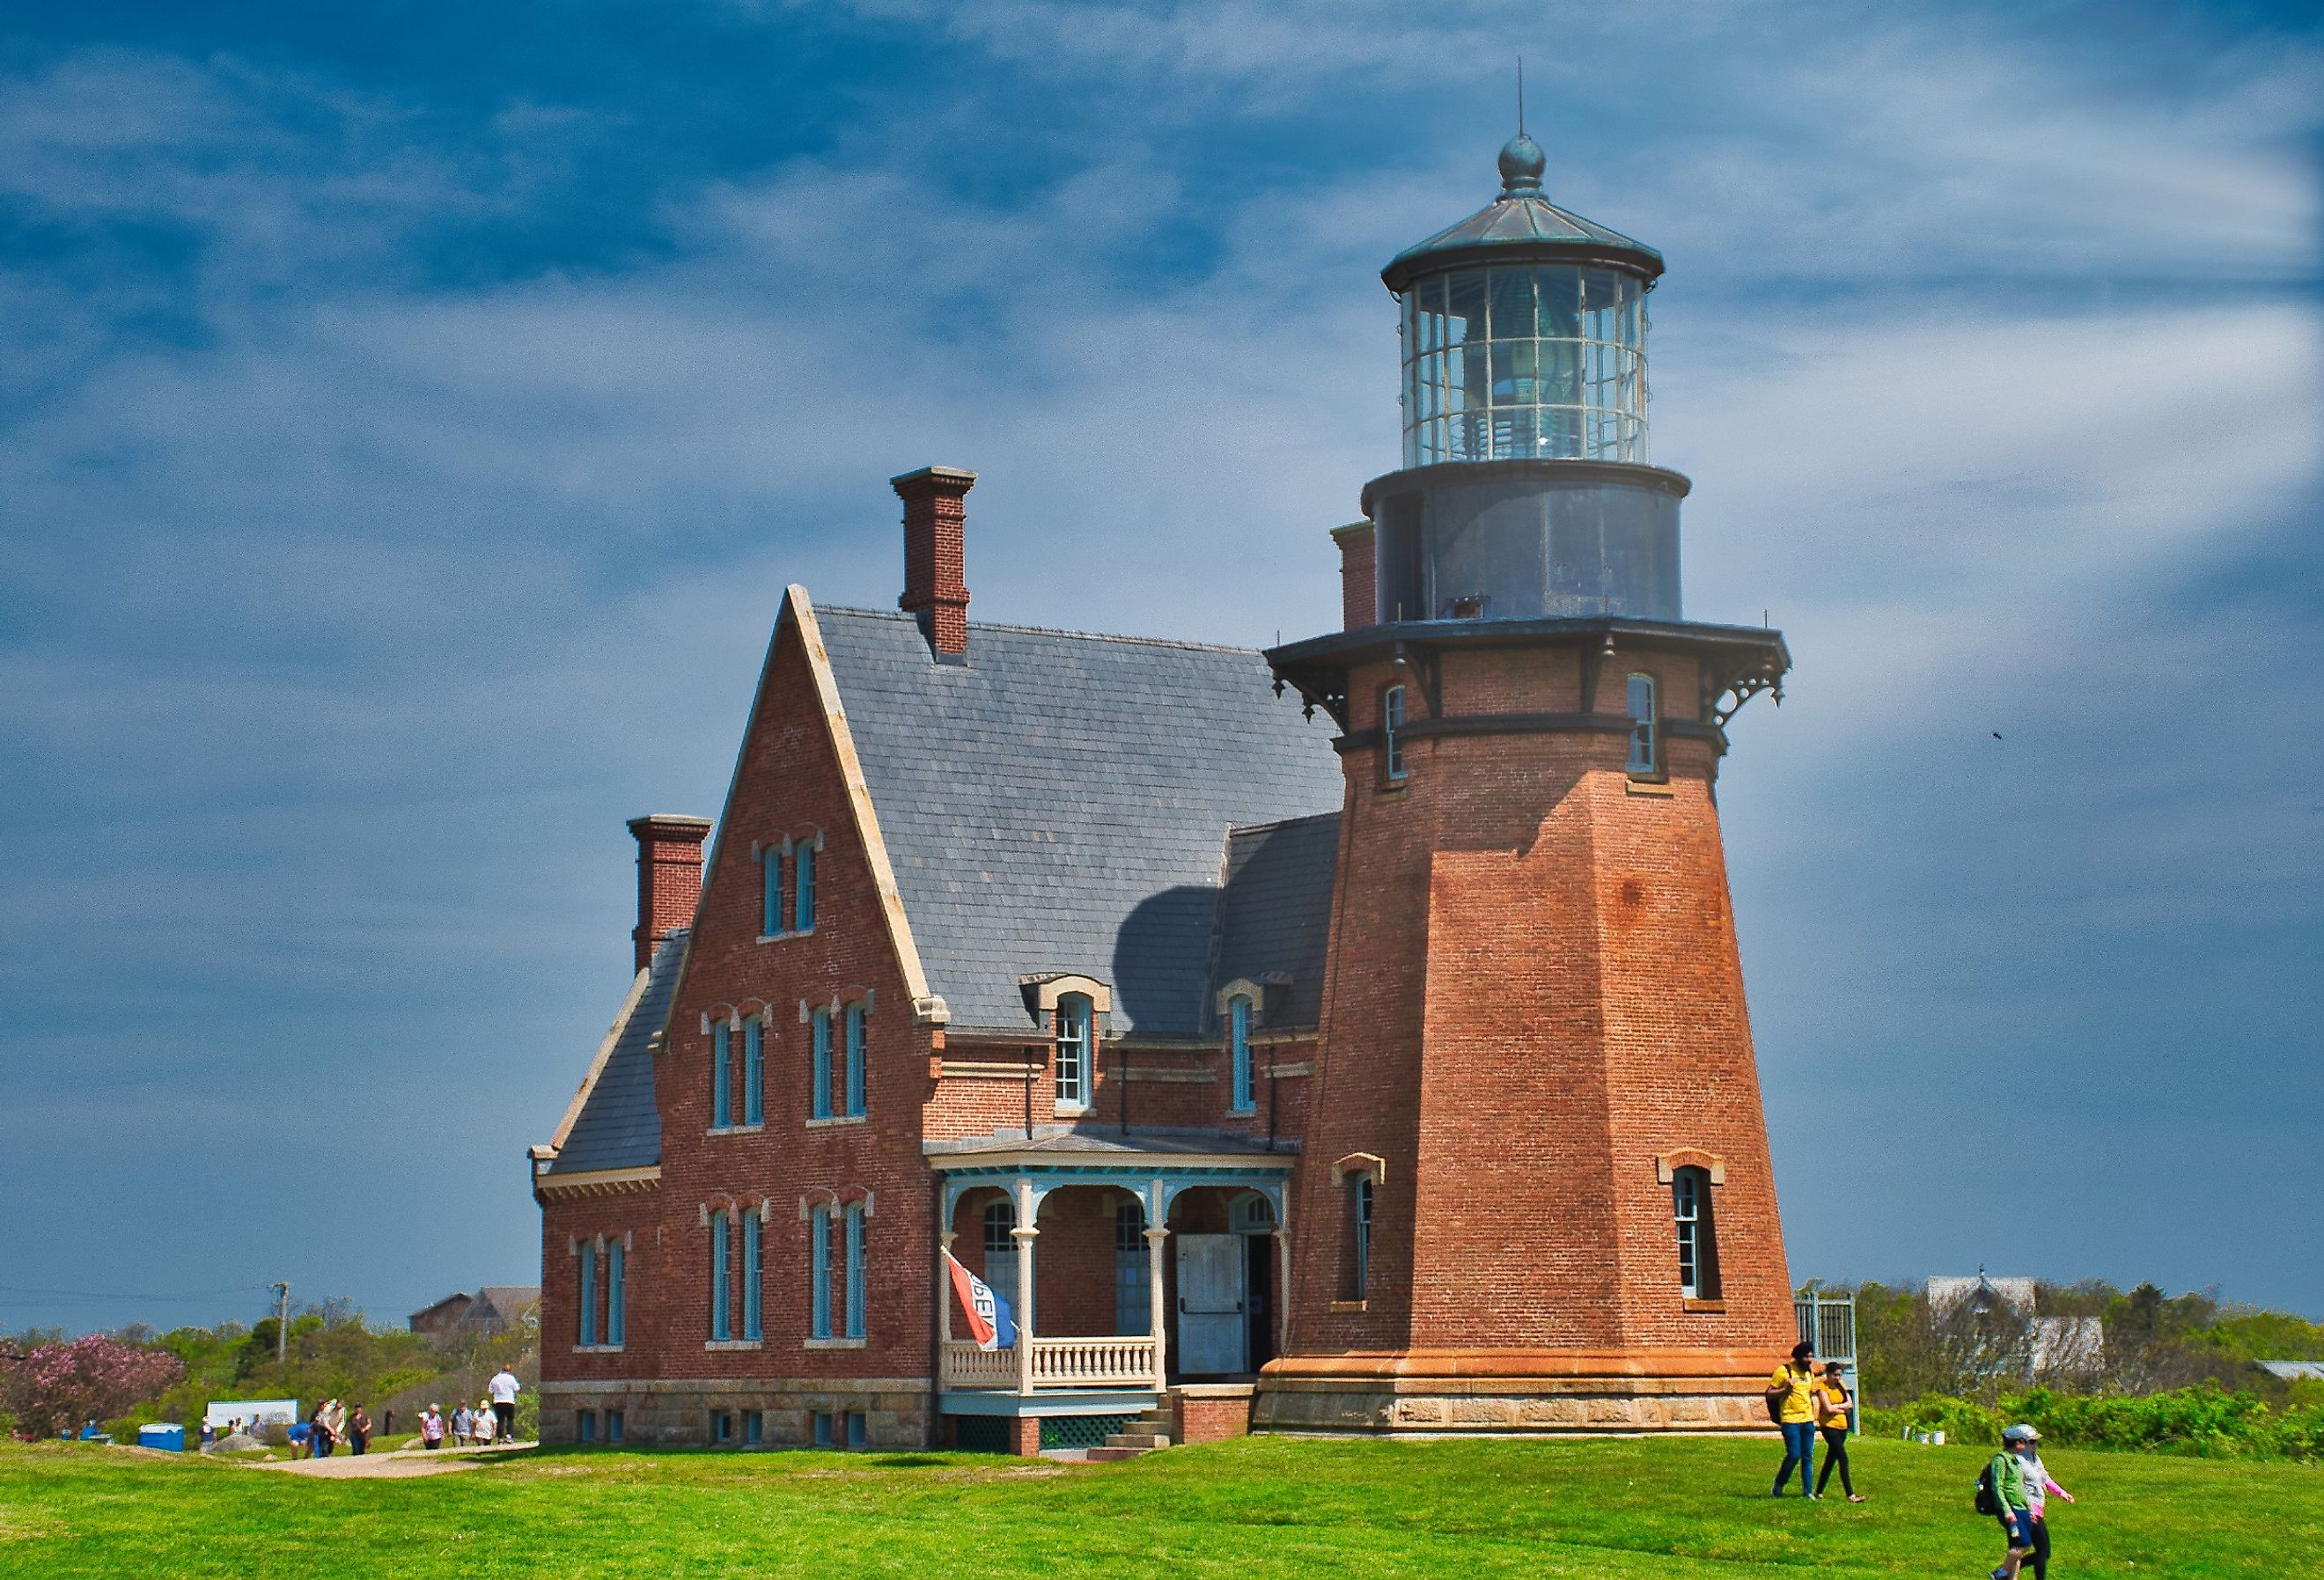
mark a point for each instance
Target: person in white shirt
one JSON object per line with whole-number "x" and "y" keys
{"x": 503, "y": 1388}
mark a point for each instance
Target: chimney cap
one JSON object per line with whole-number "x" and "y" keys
{"x": 959, "y": 474}
{"x": 671, "y": 820}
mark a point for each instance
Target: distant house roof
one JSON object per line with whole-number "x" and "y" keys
{"x": 617, "y": 1125}
{"x": 506, "y": 1302}
{"x": 460, "y": 1297}
{"x": 2015, "y": 1293}
{"x": 2292, "y": 1370}
{"x": 1056, "y": 801}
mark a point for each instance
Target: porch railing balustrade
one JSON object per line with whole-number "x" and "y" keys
{"x": 1126, "y": 1361}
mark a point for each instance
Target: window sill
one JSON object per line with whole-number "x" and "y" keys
{"x": 1648, "y": 787}
{"x": 1247, "y": 1111}
{"x": 1071, "y": 1109}
{"x": 1692, "y": 1304}
{"x": 836, "y": 1344}
{"x": 1347, "y": 1307}
{"x": 733, "y": 1344}
{"x": 831, "y": 1120}
{"x": 735, "y": 1130}
{"x": 597, "y": 1349}
{"x": 792, "y": 933}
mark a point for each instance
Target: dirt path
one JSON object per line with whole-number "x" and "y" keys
{"x": 399, "y": 1462}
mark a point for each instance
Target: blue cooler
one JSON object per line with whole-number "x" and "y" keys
{"x": 167, "y": 1435}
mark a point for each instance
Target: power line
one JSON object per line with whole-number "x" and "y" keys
{"x": 16, "y": 1291}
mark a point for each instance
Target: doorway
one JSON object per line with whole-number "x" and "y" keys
{"x": 1213, "y": 1332}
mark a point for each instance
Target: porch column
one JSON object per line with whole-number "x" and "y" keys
{"x": 1157, "y": 1313}
{"x": 1283, "y": 1290}
{"x": 1025, "y": 1234}
{"x": 943, "y": 1290}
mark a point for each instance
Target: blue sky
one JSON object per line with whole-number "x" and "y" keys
{"x": 409, "y": 415}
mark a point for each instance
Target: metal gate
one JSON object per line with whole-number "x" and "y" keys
{"x": 1828, "y": 1321}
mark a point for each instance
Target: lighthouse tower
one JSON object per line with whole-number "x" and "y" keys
{"x": 1535, "y": 1192}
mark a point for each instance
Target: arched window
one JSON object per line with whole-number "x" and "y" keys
{"x": 803, "y": 888}
{"x": 1360, "y": 1236}
{"x": 1251, "y": 1213}
{"x": 722, "y": 1318}
{"x": 854, "y": 1218}
{"x": 818, "y": 1271}
{"x": 1239, "y": 1052}
{"x": 1074, "y": 1027}
{"x": 855, "y": 1058}
{"x": 1645, "y": 727}
{"x": 754, "y": 1071}
{"x": 752, "y": 1327}
{"x": 1392, "y": 734}
{"x": 770, "y": 891}
{"x": 616, "y": 1292}
{"x": 1698, "y": 1235}
{"x": 722, "y": 1076}
{"x": 819, "y": 1073}
{"x": 588, "y": 1261}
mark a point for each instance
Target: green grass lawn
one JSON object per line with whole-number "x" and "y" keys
{"x": 1680, "y": 1507}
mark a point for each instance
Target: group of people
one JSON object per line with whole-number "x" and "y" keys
{"x": 332, "y": 1422}
{"x": 492, "y": 1420}
{"x": 1808, "y": 1400}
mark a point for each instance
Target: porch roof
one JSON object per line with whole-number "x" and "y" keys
{"x": 1137, "y": 1149}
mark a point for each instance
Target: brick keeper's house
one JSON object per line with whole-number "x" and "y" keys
{"x": 1349, "y": 1036}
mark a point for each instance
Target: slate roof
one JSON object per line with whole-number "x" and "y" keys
{"x": 1061, "y": 802}
{"x": 1275, "y": 914}
{"x": 618, "y": 1126}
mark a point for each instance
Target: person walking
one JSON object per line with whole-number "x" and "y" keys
{"x": 2022, "y": 1487}
{"x": 503, "y": 1388}
{"x": 1791, "y": 1398}
{"x": 482, "y": 1423}
{"x": 431, "y": 1427}
{"x": 358, "y": 1430}
{"x": 460, "y": 1426}
{"x": 318, "y": 1433}
{"x": 1832, "y": 1404}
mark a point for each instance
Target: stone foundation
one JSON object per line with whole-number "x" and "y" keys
{"x": 683, "y": 1413}
{"x": 1431, "y": 1393}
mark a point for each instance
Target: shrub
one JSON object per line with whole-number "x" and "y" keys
{"x": 56, "y": 1387}
{"x": 2205, "y": 1421}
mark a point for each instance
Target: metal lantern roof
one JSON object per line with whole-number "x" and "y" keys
{"x": 1521, "y": 226}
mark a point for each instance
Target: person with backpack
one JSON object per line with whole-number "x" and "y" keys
{"x": 1832, "y": 1404}
{"x": 2016, "y": 1487}
{"x": 1791, "y": 1402}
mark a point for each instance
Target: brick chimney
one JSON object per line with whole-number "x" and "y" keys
{"x": 935, "y": 547}
{"x": 670, "y": 877}
{"x": 1359, "y": 573}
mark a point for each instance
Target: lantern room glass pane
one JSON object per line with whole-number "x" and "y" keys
{"x": 1555, "y": 353}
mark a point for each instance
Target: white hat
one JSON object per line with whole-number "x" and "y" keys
{"x": 2020, "y": 1432}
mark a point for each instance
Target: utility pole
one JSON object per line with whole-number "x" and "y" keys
{"x": 282, "y": 1325}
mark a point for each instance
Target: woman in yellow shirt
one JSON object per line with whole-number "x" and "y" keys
{"x": 1832, "y": 1403}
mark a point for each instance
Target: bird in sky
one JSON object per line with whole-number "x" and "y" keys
{"x": 1996, "y": 734}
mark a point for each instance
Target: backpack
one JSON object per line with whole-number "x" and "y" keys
{"x": 1988, "y": 1501}
{"x": 1776, "y": 1398}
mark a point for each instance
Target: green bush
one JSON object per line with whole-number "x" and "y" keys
{"x": 2205, "y": 1420}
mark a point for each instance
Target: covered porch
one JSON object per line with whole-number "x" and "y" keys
{"x": 1132, "y": 1263}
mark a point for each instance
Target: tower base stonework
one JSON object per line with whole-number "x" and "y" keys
{"x": 1424, "y": 1393}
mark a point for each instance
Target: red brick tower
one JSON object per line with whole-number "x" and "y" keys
{"x": 1535, "y": 1192}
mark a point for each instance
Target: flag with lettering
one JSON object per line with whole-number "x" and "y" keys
{"x": 989, "y": 1321}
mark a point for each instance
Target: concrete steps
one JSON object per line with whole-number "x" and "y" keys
{"x": 1143, "y": 1435}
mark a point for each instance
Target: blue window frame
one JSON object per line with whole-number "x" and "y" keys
{"x": 853, "y": 1218}
{"x": 751, "y": 1324}
{"x": 722, "y": 1319}
{"x": 616, "y": 1292}
{"x": 855, "y": 1058}
{"x": 819, "y": 1076}
{"x": 771, "y": 882}
{"x": 614, "y": 1426}
{"x": 722, "y": 1076}
{"x": 803, "y": 889}
{"x": 587, "y": 1423}
{"x": 1238, "y": 1052}
{"x": 1133, "y": 1302}
{"x": 588, "y": 1259}
{"x": 1645, "y": 727}
{"x": 1392, "y": 732}
{"x": 754, "y": 1072}
{"x": 818, "y": 1262}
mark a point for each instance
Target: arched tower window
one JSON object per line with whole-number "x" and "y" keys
{"x": 1238, "y": 1053}
{"x": 1360, "y": 1236}
{"x": 1698, "y": 1233}
{"x": 1645, "y": 727}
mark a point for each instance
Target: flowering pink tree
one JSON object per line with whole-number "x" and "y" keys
{"x": 55, "y": 1388}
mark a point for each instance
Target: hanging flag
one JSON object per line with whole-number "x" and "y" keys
{"x": 990, "y": 1322}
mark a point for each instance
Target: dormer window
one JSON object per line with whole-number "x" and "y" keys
{"x": 1076, "y": 1021}
{"x": 1239, "y": 1054}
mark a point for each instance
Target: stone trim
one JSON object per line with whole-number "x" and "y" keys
{"x": 1667, "y": 1164}
{"x": 598, "y": 1181}
{"x": 1042, "y": 991}
{"x": 1361, "y": 1163}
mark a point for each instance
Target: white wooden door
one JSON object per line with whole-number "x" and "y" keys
{"x": 1212, "y": 1332}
